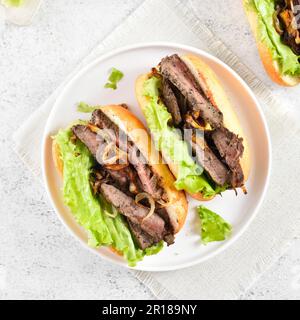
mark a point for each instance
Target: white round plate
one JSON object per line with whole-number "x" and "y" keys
{"x": 87, "y": 86}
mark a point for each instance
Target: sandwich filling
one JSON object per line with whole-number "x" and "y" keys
{"x": 112, "y": 190}
{"x": 189, "y": 130}
{"x": 287, "y": 23}
{"x": 125, "y": 180}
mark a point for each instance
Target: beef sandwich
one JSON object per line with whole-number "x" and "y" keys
{"x": 276, "y": 26}
{"x": 115, "y": 184}
{"x": 194, "y": 126}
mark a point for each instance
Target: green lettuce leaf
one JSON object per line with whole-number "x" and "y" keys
{"x": 86, "y": 108}
{"x": 169, "y": 141}
{"x": 287, "y": 60}
{"x": 89, "y": 210}
{"x": 115, "y": 76}
{"x": 12, "y": 3}
{"x": 213, "y": 227}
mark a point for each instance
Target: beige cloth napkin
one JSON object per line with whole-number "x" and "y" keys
{"x": 229, "y": 274}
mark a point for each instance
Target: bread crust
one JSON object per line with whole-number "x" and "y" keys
{"x": 59, "y": 165}
{"x": 271, "y": 66}
{"x": 137, "y": 132}
{"x": 217, "y": 96}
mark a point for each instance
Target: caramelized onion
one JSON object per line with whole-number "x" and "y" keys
{"x": 112, "y": 215}
{"x": 276, "y": 22}
{"x": 133, "y": 188}
{"x": 117, "y": 167}
{"x": 189, "y": 119}
{"x": 144, "y": 195}
{"x": 164, "y": 204}
{"x": 106, "y": 151}
{"x": 297, "y": 39}
{"x": 101, "y": 132}
{"x": 93, "y": 128}
{"x": 291, "y": 4}
{"x": 120, "y": 155}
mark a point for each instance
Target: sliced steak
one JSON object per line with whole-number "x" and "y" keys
{"x": 181, "y": 100}
{"x": 230, "y": 148}
{"x": 149, "y": 180}
{"x": 170, "y": 101}
{"x": 121, "y": 177}
{"x": 102, "y": 121}
{"x": 229, "y": 145}
{"x": 94, "y": 142}
{"x": 169, "y": 238}
{"x": 177, "y": 72}
{"x": 237, "y": 176}
{"x": 211, "y": 164}
{"x": 88, "y": 137}
{"x": 126, "y": 179}
{"x": 143, "y": 239}
{"x": 153, "y": 225}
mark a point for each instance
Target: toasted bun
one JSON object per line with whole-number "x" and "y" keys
{"x": 270, "y": 65}
{"x": 136, "y": 131}
{"x": 57, "y": 158}
{"x": 217, "y": 96}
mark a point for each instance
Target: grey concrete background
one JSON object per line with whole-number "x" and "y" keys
{"x": 38, "y": 257}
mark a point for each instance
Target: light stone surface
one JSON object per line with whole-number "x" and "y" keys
{"x": 39, "y": 259}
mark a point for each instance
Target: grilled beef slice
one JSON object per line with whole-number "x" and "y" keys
{"x": 153, "y": 225}
{"x": 88, "y": 137}
{"x": 211, "y": 164}
{"x": 125, "y": 179}
{"x": 92, "y": 140}
{"x": 230, "y": 148}
{"x": 143, "y": 239}
{"x": 149, "y": 180}
{"x": 170, "y": 101}
{"x": 169, "y": 237}
{"x": 121, "y": 177}
{"x": 177, "y": 72}
{"x": 100, "y": 119}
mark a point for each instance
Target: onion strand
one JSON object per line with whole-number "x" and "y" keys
{"x": 119, "y": 155}
{"x": 144, "y": 195}
{"x": 111, "y": 215}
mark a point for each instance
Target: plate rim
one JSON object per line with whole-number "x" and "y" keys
{"x": 175, "y": 46}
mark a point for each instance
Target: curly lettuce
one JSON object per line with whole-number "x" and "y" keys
{"x": 88, "y": 209}
{"x": 86, "y": 108}
{"x": 169, "y": 141}
{"x": 213, "y": 226}
{"x": 12, "y": 3}
{"x": 115, "y": 77}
